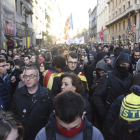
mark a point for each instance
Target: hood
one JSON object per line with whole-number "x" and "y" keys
{"x": 100, "y": 56}
{"x": 102, "y": 65}
{"x": 123, "y": 57}
{"x": 93, "y": 53}
{"x": 126, "y": 51}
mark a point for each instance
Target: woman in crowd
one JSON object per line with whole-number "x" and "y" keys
{"x": 81, "y": 61}
{"x": 33, "y": 61}
{"x": 10, "y": 128}
{"x": 70, "y": 81}
{"x": 41, "y": 72}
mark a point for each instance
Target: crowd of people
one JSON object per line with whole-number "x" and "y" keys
{"x": 70, "y": 92}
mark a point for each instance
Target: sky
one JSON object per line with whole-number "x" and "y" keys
{"x": 79, "y": 10}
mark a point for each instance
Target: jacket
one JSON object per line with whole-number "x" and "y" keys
{"x": 1, "y": 104}
{"x": 32, "y": 111}
{"x": 96, "y": 134}
{"x": 5, "y": 93}
{"x": 92, "y": 68}
{"x": 100, "y": 65}
{"x": 111, "y": 86}
{"x": 120, "y": 132}
{"x": 112, "y": 115}
{"x": 89, "y": 62}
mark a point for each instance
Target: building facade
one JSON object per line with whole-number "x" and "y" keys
{"x": 114, "y": 16}
{"x": 28, "y": 22}
{"x": 92, "y": 23}
{"x": 120, "y": 11}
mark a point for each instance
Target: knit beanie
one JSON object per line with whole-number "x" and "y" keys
{"x": 130, "y": 109}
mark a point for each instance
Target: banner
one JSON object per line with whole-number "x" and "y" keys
{"x": 9, "y": 27}
{"x": 77, "y": 40}
{"x": 38, "y": 34}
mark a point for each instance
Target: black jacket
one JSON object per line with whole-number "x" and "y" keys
{"x": 92, "y": 68}
{"x": 1, "y": 104}
{"x": 33, "y": 112}
{"x": 112, "y": 115}
{"x": 111, "y": 86}
{"x": 119, "y": 132}
{"x": 5, "y": 92}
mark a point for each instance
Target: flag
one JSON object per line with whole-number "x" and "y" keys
{"x": 109, "y": 41}
{"x": 83, "y": 78}
{"x": 68, "y": 26}
{"x": 48, "y": 78}
{"x": 101, "y": 34}
{"x": 129, "y": 29}
{"x": 93, "y": 38}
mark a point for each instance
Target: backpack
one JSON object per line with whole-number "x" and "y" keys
{"x": 87, "y": 133}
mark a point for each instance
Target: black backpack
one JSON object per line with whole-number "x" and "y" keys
{"x": 87, "y": 133}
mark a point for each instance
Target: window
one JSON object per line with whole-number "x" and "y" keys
{"x": 119, "y": 10}
{"x": 136, "y": 1}
{"x": 21, "y": 8}
{"x": 128, "y": 3}
{"x": 123, "y": 25}
{"x": 112, "y": 5}
{"x": 119, "y": 26}
{"x": 16, "y": 5}
{"x": 113, "y": 29}
{"x": 123, "y": 7}
{"x": 135, "y": 20}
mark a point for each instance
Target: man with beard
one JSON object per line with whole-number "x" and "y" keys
{"x": 13, "y": 74}
{"x": 135, "y": 58}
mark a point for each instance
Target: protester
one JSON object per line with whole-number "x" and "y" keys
{"x": 32, "y": 104}
{"x": 70, "y": 81}
{"x": 58, "y": 63}
{"x": 68, "y": 120}
{"x": 5, "y": 85}
{"x": 127, "y": 126}
{"x": 113, "y": 84}
{"x": 42, "y": 70}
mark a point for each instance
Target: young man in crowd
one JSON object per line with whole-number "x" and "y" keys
{"x": 68, "y": 121}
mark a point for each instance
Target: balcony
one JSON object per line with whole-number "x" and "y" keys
{"x": 130, "y": 9}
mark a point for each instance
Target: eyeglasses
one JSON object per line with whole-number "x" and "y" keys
{"x": 30, "y": 76}
{"x": 4, "y": 66}
{"x": 71, "y": 63}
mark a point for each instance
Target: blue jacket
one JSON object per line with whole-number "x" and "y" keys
{"x": 5, "y": 93}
